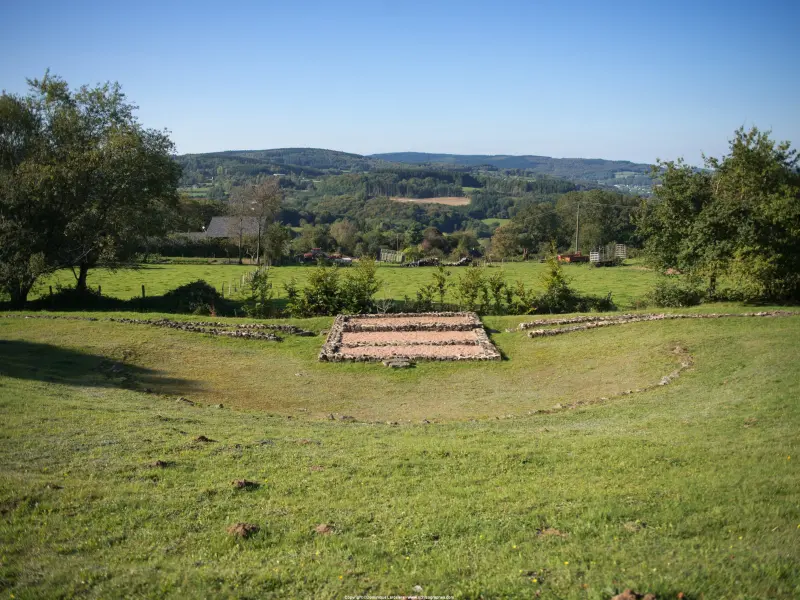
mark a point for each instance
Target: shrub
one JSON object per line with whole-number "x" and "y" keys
{"x": 440, "y": 276}
{"x": 328, "y": 294}
{"x": 520, "y": 300}
{"x": 359, "y": 287}
{"x": 559, "y": 297}
{"x": 424, "y": 300}
{"x": 68, "y": 298}
{"x": 290, "y": 287}
{"x": 197, "y": 297}
{"x": 672, "y": 291}
{"x": 496, "y": 292}
{"x": 469, "y": 288}
{"x": 259, "y": 304}
{"x": 321, "y": 296}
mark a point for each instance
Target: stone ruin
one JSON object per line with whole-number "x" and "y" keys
{"x": 407, "y": 337}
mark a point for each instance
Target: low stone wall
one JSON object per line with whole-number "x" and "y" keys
{"x": 259, "y": 331}
{"x": 410, "y": 356}
{"x": 584, "y": 323}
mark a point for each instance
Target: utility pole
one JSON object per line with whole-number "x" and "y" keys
{"x": 577, "y": 225}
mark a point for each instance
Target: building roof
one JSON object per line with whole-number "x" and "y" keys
{"x": 228, "y": 227}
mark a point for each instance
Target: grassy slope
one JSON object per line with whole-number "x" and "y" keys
{"x": 685, "y": 488}
{"x": 626, "y": 283}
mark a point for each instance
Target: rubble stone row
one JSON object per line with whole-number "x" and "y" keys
{"x": 361, "y": 323}
{"x": 259, "y": 331}
{"x": 592, "y": 322}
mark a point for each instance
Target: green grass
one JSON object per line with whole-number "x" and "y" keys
{"x": 686, "y": 488}
{"x": 626, "y": 283}
{"x": 495, "y": 221}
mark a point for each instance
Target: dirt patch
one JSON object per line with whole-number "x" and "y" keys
{"x": 631, "y": 595}
{"x": 452, "y": 352}
{"x": 203, "y": 439}
{"x": 316, "y": 468}
{"x": 243, "y": 530}
{"x": 323, "y": 529}
{"x": 161, "y": 464}
{"x": 244, "y": 484}
{"x": 446, "y": 200}
{"x": 551, "y": 532}
{"x": 402, "y": 338}
{"x": 415, "y": 323}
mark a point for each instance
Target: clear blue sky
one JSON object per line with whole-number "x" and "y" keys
{"x": 623, "y": 80}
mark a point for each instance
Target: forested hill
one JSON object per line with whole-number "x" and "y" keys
{"x": 316, "y": 162}
{"x": 308, "y": 162}
{"x": 583, "y": 169}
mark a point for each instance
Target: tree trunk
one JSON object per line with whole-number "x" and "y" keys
{"x": 240, "y": 245}
{"x": 82, "y": 273}
{"x": 258, "y": 246}
{"x": 19, "y": 295}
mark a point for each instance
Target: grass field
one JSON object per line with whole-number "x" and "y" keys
{"x": 495, "y": 222}
{"x": 625, "y": 283}
{"x": 446, "y": 200}
{"x": 688, "y": 488}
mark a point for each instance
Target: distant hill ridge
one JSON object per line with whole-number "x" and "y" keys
{"x": 569, "y": 168}
{"x": 318, "y": 161}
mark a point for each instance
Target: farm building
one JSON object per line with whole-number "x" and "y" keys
{"x": 228, "y": 227}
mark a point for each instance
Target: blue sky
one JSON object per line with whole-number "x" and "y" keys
{"x": 622, "y": 80}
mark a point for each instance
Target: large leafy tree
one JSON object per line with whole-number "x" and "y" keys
{"x": 538, "y": 224}
{"x": 739, "y": 219}
{"x": 29, "y": 206}
{"x": 506, "y": 241}
{"x": 83, "y": 183}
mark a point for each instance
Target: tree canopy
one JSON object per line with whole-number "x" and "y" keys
{"x": 82, "y": 182}
{"x": 738, "y": 220}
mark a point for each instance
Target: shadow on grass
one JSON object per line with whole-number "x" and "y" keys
{"x": 53, "y": 364}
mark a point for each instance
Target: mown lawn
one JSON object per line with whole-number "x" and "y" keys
{"x": 691, "y": 487}
{"x": 625, "y": 283}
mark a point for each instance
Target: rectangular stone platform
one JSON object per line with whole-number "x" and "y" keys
{"x": 409, "y": 336}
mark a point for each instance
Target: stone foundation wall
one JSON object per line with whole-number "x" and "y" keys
{"x": 334, "y": 350}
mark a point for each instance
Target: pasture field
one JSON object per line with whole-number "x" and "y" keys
{"x": 446, "y": 200}
{"x": 626, "y": 283}
{"x": 444, "y": 476}
{"x": 495, "y": 221}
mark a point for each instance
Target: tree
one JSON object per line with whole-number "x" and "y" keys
{"x": 465, "y": 242}
{"x": 344, "y": 232}
{"x": 739, "y": 219}
{"x": 538, "y": 224}
{"x": 505, "y": 241}
{"x": 264, "y": 200}
{"x": 238, "y": 209}
{"x": 83, "y": 183}
{"x": 276, "y": 242}
{"x": 28, "y": 208}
